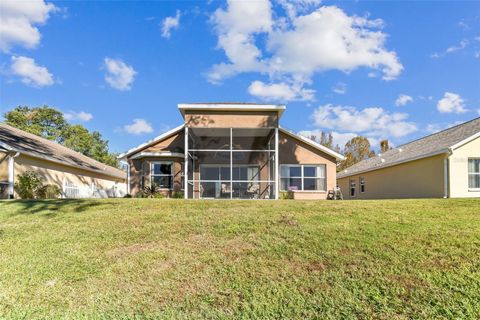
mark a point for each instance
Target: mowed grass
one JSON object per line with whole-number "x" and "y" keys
{"x": 159, "y": 258}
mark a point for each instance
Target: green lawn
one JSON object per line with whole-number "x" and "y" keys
{"x": 159, "y": 258}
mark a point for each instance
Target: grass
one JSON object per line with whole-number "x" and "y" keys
{"x": 151, "y": 258}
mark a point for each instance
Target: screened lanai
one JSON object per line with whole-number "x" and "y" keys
{"x": 231, "y": 163}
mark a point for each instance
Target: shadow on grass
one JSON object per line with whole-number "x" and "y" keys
{"x": 53, "y": 207}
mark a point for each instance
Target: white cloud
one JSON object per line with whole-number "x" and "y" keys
{"x": 235, "y": 29}
{"x": 436, "y": 127}
{"x": 78, "y": 116}
{"x": 19, "y": 21}
{"x": 478, "y": 111}
{"x": 119, "y": 75}
{"x": 299, "y": 45}
{"x": 169, "y": 24}
{"x": 30, "y": 73}
{"x": 372, "y": 122}
{"x": 403, "y": 99}
{"x": 139, "y": 126}
{"x": 340, "y": 88}
{"x": 451, "y": 103}
{"x": 280, "y": 91}
{"x": 462, "y": 45}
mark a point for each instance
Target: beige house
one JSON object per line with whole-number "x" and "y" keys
{"x": 77, "y": 176}
{"x": 232, "y": 151}
{"x": 442, "y": 165}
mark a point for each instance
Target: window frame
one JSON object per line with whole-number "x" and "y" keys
{"x": 171, "y": 175}
{"x": 352, "y": 184}
{"x": 472, "y": 173}
{"x": 302, "y": 176}
{"x": 361, "y": 184}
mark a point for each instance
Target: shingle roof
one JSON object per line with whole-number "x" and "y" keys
{"x": 433, "y": 144}
{"x": 20, "y": 141}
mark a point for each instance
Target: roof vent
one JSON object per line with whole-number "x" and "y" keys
{"x": 379, "y": 154}
{"x": 400, "y": 149}
{"x": 383, "y": 160}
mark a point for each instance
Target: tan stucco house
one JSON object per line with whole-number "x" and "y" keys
{"x": 78, "y": 176}
{"x": 442, "y": 165}
{"x": 232, "y": 151}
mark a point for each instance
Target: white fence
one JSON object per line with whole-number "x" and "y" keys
{"x": 73, "y": 191}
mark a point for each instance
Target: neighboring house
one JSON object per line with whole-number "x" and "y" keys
{"x": 78, "y": 176}
{"x": 232, "y": 151}
{"x": 445, "y": 164}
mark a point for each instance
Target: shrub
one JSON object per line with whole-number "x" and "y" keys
{"x": 28, "y": 185}
{"x": 128, "y": 195}
{"x": 158, "y": 195}
{"x": 151, "y": 191}
{"x": 140, "y": 194}
{"x": 177, "y": 195}
{"x": 48, "y": 191}
{"x": 286, "y": 195}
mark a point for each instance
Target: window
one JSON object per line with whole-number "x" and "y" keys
{"x": 474, "y": 173}
{"x": 362, "y": 184}
{"x": 162, "y": 174}
{"x": 353, "y": 186}
{"x": 303, "y": 177}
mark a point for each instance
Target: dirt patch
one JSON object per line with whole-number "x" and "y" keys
{"x": 288, "y": 220}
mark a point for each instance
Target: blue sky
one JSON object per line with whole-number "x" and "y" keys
{"x": 396, "y": 70}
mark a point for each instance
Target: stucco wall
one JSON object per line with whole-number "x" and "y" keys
{"x": 294, "y": 151}
{"x": 232, "y": 119}
{"x": 140, "y": 170}
{"x": 422, "y": 178}
{"x": 3, "y": 167}
{"x": 174, "y": 143}
{"x": 458, "y": 168}
{"x": 58, "y": 174}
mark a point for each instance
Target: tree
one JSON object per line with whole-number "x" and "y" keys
{"x": 384, "y": 146}
{"x": 326, "y": 139}
{"x": 42, "y": 121}
{"x": 356, "y": 150}
{"x": 50, "y": 123}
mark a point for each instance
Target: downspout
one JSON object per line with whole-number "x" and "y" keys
{"x": 11, "y": 174}
{"x": 446, "y": 174}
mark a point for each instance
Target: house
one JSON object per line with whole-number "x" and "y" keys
{"x": 232, "y": 151}
{"x": 78, "y": 176}
{"x": 442, "y": 165}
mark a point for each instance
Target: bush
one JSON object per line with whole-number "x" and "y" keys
{"x": 29, "y": 185}
{"x": 49, "y": 191}
{"x": 286, "y": 195}
{"x": 128, "y": 195}
{"x": 151, "y": 191}
{"x": 178, "y": 195}
{"x": 158, "y": 195}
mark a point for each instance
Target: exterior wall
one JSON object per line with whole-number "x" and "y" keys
{"x": 423, "y": 178}
{"x": 3, "y": 175}
{"x": 175, "y": 143}
{"x": 458, "y": 169}
{"x": 3, "y": 167}
{"x": 58, "y": 174}
{"x": 140, "y": 174}
{"x": 231, "y": 119}
{"x": 294, "y": 151}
